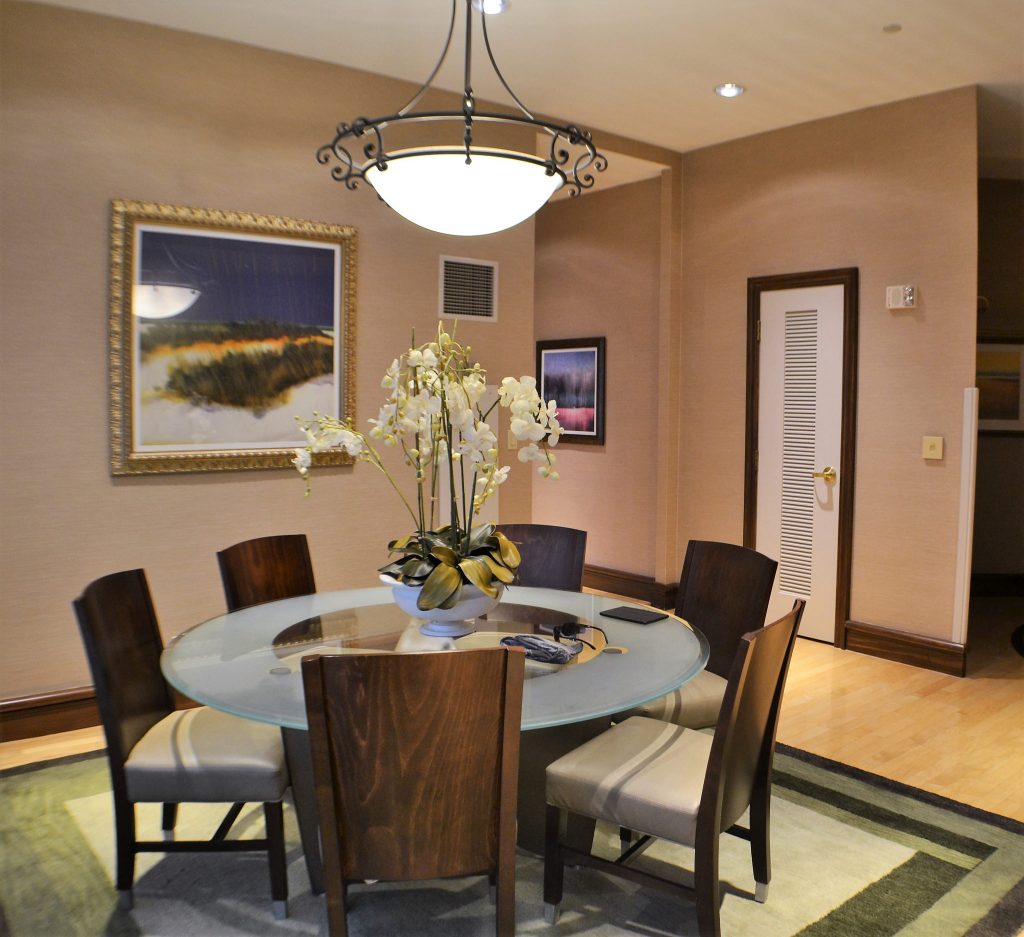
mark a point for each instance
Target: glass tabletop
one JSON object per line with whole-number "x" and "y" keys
{"x": 249, "y": 662}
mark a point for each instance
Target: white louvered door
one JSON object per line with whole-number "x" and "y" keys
{"x": 799, "y": 435}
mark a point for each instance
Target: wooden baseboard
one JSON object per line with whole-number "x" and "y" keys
{"x": 930, "y": 653}
{"x": 30, "y": 717}
{"x": 660, "y": 595}
{"x": 997, "y": 584}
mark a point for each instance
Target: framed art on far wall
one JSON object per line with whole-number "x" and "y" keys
{"x": 571, "y": 372}
{"x": 225, "y": 326}
{"x": 1000, "y": 380}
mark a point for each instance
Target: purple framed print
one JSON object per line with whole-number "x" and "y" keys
{"x": 571, "y": 372}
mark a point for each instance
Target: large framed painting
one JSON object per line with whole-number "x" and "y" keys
{"x": 571, "y": 372}
{"x": 1000, "y": 379}
{"x": 225, "y": 326}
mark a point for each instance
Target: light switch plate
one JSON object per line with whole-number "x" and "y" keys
{"x": 931, "y": 447}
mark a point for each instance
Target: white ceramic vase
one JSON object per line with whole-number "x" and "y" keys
{"x": 444, "y": 622}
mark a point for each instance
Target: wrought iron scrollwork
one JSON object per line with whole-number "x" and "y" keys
{"x": 578, "y": 172}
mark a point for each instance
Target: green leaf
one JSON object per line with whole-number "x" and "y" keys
{"x": 445, "y": 555}
{"x": 480, "y": 536}
{"x": 438, "y": 588}
{"x": 479, "y": 573}
{"x": 415, "y": 568}
{"x": 498, "y": 571}
{"x": 453, "y": 599}
{"x": 509, "y": 552}
{"x": 400, "y": 544}
{"x": 392, "y": 569}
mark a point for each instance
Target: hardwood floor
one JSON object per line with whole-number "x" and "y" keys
{"x": 962, "y": 738}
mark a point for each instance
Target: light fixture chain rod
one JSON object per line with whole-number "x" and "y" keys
{"x": 415, "y": 99}
{"x": 467, "y": 99}
{"x": 497, "y": 71}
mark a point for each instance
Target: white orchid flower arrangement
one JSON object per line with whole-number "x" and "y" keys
{"x": 433, "y": 412}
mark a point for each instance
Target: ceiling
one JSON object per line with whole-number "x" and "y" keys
{"x": 645, "y": 69}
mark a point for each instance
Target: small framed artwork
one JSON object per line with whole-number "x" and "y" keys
{"x": 1000, "y": 379}
{"x": 571, "y": 372}
{"x": 225, "y": 326}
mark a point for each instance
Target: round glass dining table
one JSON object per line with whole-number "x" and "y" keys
{"x": 248, "y": 662}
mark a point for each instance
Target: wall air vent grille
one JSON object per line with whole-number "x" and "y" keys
{"x": 798, "y": 438}
{"x": 469, "y": 289}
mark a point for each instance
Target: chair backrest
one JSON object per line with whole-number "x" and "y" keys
{"x": 123, "y": 645}
{"x": 724, "y": 590}
{"x": 266, "y": 569}
{"x": 552, "y": 556}
{"x": 744, "y": 744}
{"x": 415, "y": 758}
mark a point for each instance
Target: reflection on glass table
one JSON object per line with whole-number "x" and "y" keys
{"x": 248, "y": 662}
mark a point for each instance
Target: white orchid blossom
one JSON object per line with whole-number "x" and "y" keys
{"x": 433, "y": 411}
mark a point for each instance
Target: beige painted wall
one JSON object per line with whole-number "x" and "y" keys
{"x": 598, "y": 274}
{"x": 891, "y": 190}
{"x": 96, "y": 108}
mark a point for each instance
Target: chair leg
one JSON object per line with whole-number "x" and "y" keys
{"x": 505, "y": 899}
{"x": 336, "y": 900}
{"x": 554, "y": 869}
{"x": 706, "y": 886}
{"x": 273, "y": 818}
{"x": 124, "y": 833}
{"x": 168, "y": 819}
{"x": 760, "y": 841}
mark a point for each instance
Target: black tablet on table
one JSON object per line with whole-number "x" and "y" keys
{"x": 639, "y": 616}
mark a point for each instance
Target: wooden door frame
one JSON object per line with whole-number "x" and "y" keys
{"x": 848, "y": 278}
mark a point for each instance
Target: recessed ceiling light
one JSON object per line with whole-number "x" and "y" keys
{"x": 729, "y": 90}
{"x": 891, "y": 28}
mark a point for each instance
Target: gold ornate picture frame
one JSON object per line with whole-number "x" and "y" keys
{"x": 225, "y": 326}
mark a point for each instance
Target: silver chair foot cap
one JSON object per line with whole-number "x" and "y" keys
{"x": 760, "y": 892}
{"x": 280, "y": 910}
{"x": 125, "y": 900}
{"x": 552, "y": 912}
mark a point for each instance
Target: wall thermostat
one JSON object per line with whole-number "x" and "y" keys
{"x": 900, "y": 297}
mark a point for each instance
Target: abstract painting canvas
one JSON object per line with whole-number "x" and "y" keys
{"x": 571, "y": 372}
{"x": 224, "y": 326}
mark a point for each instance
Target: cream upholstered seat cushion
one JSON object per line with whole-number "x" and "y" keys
{"x": 695, "y": 704}
{"x": 203, "y": 755}
{"x": 643, "y": 774}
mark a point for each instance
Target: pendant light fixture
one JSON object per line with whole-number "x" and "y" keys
{"x": 461, "y": 187}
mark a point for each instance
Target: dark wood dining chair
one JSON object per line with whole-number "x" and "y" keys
{"x": 679, "y": 784}
{"x": 159, "y": 755}
{"x": 266, "y": 569}
{"x": 552, "y": 557}
{"x": 415, "y": 758}
{"x": 724, "y": 590}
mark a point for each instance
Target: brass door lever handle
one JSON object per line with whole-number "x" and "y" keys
{"x": 828, "y": 473}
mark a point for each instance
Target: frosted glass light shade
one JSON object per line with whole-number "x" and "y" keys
{"x": 159, "y": 301}
{"x": 440, "y": 191}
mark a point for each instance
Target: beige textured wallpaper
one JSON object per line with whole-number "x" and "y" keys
{"x": 97, "y": 108}
{"x": 598, "y": 274}
{"x": 893, "y": 191}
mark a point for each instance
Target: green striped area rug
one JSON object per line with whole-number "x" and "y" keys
{"x": 853, "y": 856}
